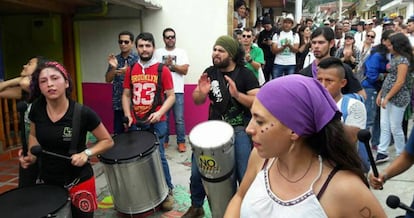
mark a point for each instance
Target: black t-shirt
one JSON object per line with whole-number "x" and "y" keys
{"x": 57, "y": 137}
{"x": 222, "y": 106}
{"x": 352, "y": 85}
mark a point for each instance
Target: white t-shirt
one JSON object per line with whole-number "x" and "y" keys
{"x": 286, "y": 57}
{"x": 357, "y": 114}
{"x": 411, "y": 38}
{"x": 179, "y": 57}
{"x": 359, "y": 39}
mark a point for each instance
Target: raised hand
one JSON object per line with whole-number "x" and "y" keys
{"x": 204, "y": 84}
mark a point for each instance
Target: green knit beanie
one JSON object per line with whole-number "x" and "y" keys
{"x": 228, "y": 43}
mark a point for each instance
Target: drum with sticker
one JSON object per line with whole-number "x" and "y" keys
{"x": 36, "y": 201}
{"x": 134, "y": 172}
{"x": 212, "y": 143}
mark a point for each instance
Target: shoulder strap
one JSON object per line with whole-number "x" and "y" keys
{"x": 344, "y": 106}
{"x": 75, "y": 128}
{"x": 130, "y": 75}
{"x": 325, "y": 185}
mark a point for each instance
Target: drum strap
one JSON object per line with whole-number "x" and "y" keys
{"x": 157, "y": 100}
{"x": 75, "y": 128}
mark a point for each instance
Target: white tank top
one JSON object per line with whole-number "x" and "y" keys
{"x": 260, "y": 201}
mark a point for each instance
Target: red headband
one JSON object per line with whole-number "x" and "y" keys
{"x": 59, "y": 67}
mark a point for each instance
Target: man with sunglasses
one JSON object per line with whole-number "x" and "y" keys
{"x": 115, "y": 75}
{"x": 176, "y": 60}
{"x": 253, "y": 54}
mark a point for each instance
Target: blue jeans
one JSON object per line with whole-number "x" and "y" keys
{"x": 178, "y": 110}
{"x": 242, "y": 149}
{"x": 391, "y": 123}
{"x": 118, "y": 122}
{"x": 281, "y": 70}
{"x": 372, "y": 115}
{"x": 160, "y": 129}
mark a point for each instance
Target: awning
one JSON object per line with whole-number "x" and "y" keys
{"x": 149, "y": 4}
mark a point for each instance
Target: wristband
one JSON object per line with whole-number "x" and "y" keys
{"x": 250, "y": 61}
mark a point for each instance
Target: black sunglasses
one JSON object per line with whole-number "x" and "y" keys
{"x": 248, "y": 36}
{"x": 169, "y": 37}
{"x": 371, "y": 36}
{"x": 126, "y": 42}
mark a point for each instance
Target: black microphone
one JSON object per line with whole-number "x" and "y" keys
{"x": 394, "y": 202}
{"x": 364, "y": 136}
{"x": 37, "y": 150}
{"x": 22, "y": 107}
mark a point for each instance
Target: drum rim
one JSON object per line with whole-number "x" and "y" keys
{"x": 132, "y": 158}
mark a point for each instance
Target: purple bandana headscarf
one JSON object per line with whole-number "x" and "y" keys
{"x": 300, "y": 103}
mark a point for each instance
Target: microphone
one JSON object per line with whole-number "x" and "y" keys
{"x": 22, "y": 107}
{"x": 364, "y": 136}
{"x": 37, "y": 150}
{"x": 394, "y": 202}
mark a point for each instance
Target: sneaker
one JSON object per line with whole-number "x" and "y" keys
{"x": 166, "y": 144}
{"x": 168, "y": 203}
{"x": 181, "y": 147}
{"x": 194, "y": 212}
{"x": 381, "y": 158}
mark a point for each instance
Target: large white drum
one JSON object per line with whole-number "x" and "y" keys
{"x": 212, "y": 143}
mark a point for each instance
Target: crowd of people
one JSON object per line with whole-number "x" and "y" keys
{"x": 296, "y": 95}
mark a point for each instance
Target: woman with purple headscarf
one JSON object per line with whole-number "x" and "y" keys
{"x": 302, "y": 164}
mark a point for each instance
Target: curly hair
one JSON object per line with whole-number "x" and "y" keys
{"x": 401, "y": 45}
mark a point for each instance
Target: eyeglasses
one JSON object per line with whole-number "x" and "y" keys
{"x": 169, "y": 37}
{"x": 247, "y": 36}
{"x": 371, "y": 36}
{"x": 126, "y": 42}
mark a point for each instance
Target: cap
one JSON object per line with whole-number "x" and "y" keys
{"x": 369, "y": 21}
{"x": 266, "y": 20}
{"x": 349, "y": 35}
{"x": 326, "y": 22}
{"x": 290, "y": 17}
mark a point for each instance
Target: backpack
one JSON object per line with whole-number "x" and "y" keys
{"x": 363, "y": 154}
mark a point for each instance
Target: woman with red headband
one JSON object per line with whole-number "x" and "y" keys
{"x": 51, "y": 126}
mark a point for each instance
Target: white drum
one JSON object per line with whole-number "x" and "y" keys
{"x": 212, "y": 143}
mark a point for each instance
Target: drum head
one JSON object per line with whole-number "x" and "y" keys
{"x": 34, "y": 201}
{"x": 211, "y": 134}
{"x": 130, "y": 145}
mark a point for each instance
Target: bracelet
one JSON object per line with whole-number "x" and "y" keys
{"x": 250, "y": 61}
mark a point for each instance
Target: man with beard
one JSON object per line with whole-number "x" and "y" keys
{"x": 150, "y": 90}
{"x": 322, "y": 41}
{"x": 177, "y": 61}
{"x": 231, "y": 88}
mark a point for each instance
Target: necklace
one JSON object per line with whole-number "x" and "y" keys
{"x": 297, "y": 180}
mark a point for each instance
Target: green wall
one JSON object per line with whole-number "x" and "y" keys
{"x": 26, "y": 36}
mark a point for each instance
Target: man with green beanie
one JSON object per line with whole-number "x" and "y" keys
{"x": 231, "y": 88}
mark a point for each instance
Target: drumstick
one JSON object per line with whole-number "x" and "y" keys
{"x": 22, "y": 107}
{"x": 37, "y": 149}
